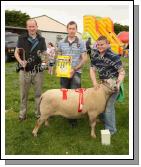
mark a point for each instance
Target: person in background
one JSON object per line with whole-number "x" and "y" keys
{"x": 88, "y": 46}
{"x": 51, "y": 53}
{"x": 76, "y": 48}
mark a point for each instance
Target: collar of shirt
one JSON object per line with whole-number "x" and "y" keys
{"x": 75, "y": 41}
{"x": 105, "y": 53}
{"x": 32, "y": 40}
{"x": 26, "y": 35}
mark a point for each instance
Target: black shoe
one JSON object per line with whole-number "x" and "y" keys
{"x": 73, "y": 123}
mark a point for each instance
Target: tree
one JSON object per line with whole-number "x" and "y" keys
{"x": 118, "y": 28}
{"x": 15, "y": 18}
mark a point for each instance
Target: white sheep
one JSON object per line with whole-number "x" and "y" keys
{"x": 95, "y": 101}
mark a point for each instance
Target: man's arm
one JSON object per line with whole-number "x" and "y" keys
{"x": 82, "y": 62}
{"x": 80, "y": 65}
{"x": 83, "y": 56}
{"x": 17, "y": 56}
{"x": 119, "y": 67}
{"x": 120, "y": 77}
{"x": 93, "y": 77}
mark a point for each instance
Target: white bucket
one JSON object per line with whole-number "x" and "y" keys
{"x": 105, "y": 137}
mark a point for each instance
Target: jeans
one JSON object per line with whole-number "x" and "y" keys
{"x": 109, "y": 115}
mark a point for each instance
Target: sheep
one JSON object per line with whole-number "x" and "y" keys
{"x": 95, "y": 100}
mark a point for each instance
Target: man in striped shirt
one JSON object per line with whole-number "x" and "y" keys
{"x": 74, "y": 47}
{"x": 108, "y": 65}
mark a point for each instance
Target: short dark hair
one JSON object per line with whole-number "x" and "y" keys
{"x": 72, "y": 23}
{"x": 51, "y": 44}
{"x": 102, "y": 37}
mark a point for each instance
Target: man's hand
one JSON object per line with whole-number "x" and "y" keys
{"x": 72, "y": 73}
{"x": 96, "y": 86}
{"x": 118, "y": 85}
{"x": 23, "y": 63}
{"x": 120, "y": 78}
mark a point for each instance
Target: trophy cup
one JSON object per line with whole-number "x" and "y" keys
{"x": 44, "y": 59}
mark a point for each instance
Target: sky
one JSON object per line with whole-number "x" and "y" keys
{"x": 66, "y": 13}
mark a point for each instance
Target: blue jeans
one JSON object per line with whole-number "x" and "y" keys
{"x": 109, "y": 115}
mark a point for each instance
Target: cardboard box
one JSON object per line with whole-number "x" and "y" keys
{"x": 105, "y": 137}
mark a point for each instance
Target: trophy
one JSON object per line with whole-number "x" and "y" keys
{"x": 44, "y": 59}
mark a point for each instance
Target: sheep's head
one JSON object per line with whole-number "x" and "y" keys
{"x": 110, "y": 84}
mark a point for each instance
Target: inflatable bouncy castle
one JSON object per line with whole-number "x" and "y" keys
{"x": 97, "y": 26}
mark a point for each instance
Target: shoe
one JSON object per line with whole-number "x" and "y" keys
{"x": 113, "y": 133}
{"x": 22, "y": 118}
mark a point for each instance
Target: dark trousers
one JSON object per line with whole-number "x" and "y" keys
{"x": 71, "y": 83}
{"x": 89, "y": 53}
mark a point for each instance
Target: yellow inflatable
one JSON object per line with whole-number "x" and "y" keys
{"x": 97, "y": 26}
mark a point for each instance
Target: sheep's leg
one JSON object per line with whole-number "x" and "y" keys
{"x": 37, "y": 126}
{"x": 46, "y": 123}
{"x": 92, "y": 118}
{"x": 93, "y": 124}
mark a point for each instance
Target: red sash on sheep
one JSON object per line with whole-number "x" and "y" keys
{"x": 80, "y": 91}
{"x": 64, "y": 93}
{"x": 81, "y": 101}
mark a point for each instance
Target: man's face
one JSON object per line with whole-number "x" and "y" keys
{"x": 102, "y": 45}
{"x": 31, "y": 27}
{"x": 71, "y": 30}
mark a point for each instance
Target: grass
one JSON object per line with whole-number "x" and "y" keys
{"x": 59, "y": 138}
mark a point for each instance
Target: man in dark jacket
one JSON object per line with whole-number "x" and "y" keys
{"x": 30, "y": 65}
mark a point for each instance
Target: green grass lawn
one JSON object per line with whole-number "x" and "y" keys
{"x": 59, "y": 137}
